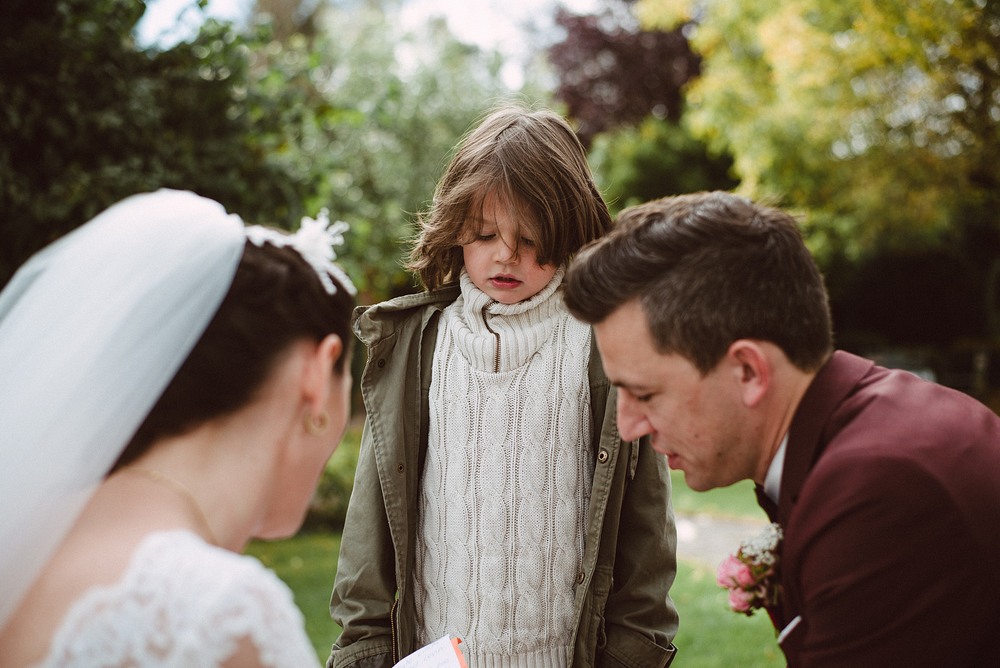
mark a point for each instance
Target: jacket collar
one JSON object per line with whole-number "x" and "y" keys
{"x": 371, "y": 323}
{"x": 835, "y": 380}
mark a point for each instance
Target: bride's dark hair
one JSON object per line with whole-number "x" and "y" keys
{"x": 276, "y": 298}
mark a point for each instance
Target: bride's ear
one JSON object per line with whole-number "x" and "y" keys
{"x": 318, "y": 371}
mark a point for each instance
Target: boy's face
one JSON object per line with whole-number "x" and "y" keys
{"x": 501, "y": 264}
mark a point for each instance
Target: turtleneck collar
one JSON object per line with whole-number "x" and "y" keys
{"x": 476, "y": 299}
{"x": 479, "y": 322}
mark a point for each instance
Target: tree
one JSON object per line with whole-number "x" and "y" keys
{"x": 655, "y": 159}
{"x": 882, "y": 120}
{"x": 879, "y": 121}
{"x": 613, "y": 74}
{"x": 88, "y": 118}
{"x": 622, "y": 85}
{"x": 399, "y": 103}
{"x": 288, "y": 18}
{"x": 357, "y": 117}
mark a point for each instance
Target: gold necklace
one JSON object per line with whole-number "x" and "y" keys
{"x": 181, "y": 489}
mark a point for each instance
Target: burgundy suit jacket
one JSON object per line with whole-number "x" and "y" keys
{"x": 890, "y": 503}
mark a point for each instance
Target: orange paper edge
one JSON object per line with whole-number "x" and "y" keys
{"x": 458, "y": 652}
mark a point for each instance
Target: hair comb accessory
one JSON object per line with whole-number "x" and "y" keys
{"x": 314, "y": 241}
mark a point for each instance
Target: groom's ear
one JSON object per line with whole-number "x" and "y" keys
{"x": 752, "y": 368}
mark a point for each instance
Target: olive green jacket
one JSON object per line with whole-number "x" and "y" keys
{"x": 624, "y": 613}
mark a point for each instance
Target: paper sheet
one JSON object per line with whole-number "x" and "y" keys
{"x": 442, "y": 653}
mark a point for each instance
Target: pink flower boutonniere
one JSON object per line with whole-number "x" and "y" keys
{"x": 751, "y": 575}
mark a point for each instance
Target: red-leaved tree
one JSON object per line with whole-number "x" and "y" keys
{"x": 611, "y": 73}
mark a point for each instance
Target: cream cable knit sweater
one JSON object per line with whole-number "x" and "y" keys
{"x": 507, "y": 479}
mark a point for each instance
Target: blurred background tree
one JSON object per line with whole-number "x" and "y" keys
{"x": 396, "y": 102}
{"x": 880, "y": 119}
{"x": 880, "y": 123}
{"x": 274, "y": 118}
{"x": 623, "y": 86}
{"x": 877, "y": 122}
{"x": 306, "y": 104}
{"x": 612, "y": 73}
{"x": 88, "y": 118}
{"x": 654, "y": 159}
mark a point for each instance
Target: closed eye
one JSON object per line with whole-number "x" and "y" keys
{"x": 641, "y": 398}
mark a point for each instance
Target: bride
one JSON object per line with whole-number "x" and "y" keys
{"x": 171, "y": 386}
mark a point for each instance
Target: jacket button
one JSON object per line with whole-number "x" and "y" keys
{"x": 380, "y": 363}
{"x": 399, "y": 467}
{"x": 602, "y": 456}
{"x": 579, "y": 578}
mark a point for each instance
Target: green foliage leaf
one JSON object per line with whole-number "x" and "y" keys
{"x": 881, "y": 119}
{"x": 656, "y": 159}
{"x": 359, "y": 119}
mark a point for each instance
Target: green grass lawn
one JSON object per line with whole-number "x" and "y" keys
{"x": 307, "y": 563}
{"x": 734, "y": 501}
{"x": 710, "y": 636}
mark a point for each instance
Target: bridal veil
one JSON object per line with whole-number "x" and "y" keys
{"x": 92, "y": 329}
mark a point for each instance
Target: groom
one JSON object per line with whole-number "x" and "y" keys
{"x": 712, "y": 321}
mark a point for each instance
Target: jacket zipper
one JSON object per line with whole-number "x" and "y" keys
{"x": 394, "y": 635}
{"x": 496, "y": 335}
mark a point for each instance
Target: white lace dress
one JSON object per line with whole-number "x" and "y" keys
{"x": 183, "y": 603}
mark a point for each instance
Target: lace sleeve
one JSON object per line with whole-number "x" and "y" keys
{"x": 183, "y": 603}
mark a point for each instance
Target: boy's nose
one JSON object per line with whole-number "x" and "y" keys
{"x": 507, "y": 251}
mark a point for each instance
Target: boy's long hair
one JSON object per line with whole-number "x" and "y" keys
{"x": 530, "y": 160}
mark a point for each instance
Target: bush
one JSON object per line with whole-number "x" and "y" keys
{"x": 89, "y": 118}
{"x": 329, "y": 504}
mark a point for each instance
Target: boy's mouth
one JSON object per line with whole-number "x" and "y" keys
{"x": 505, "y": 281}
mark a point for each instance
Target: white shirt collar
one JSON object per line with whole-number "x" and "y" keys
{"x": 772, "y": 481}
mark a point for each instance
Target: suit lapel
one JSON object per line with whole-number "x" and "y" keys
{"x": 806, "y": 441}
{"x": 834, "y": 382}
{"x": 765, "y": 502}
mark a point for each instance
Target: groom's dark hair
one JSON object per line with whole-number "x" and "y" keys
{"x": 708, "y": 269}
